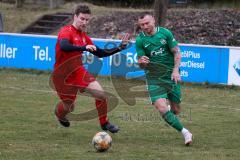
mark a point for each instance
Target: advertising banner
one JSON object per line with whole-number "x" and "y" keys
{"x": 200, "y": 63}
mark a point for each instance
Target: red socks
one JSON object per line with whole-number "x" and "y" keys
{"x": 60, "y": 111}
{"x": 101, "y": 106}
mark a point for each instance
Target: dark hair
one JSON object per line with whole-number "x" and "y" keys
{"x": 143, "y": 14}
{"x": 82, "y": 9}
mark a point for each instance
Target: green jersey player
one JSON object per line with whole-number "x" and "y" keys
{"x": 159, "y": 54}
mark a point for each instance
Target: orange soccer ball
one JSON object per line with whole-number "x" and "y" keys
{"x": 102, "y": 141}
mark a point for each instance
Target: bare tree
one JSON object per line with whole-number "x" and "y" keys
{"x": 1, "y": 23}
{"x": 160, "y": 10}
{"x": 19, "y": 3}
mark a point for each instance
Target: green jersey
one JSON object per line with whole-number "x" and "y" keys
{"x": 158, "y": 73}
{"x": 158, "y": 48}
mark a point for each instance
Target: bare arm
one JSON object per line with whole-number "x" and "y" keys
{"x": 177, "y": 61}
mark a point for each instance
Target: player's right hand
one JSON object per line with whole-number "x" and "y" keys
{"x": 143, "y": 60}
{"x": 91, "y": 48}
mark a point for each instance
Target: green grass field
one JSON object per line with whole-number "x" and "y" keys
{"x": 29, "y": 130}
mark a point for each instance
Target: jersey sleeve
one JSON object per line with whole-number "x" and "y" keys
{"x": 170, "y": 39}
{"x": 139, "y": 47}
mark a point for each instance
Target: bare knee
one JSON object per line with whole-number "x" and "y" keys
{"x": 101, "y": 96}
{"x": 161, "y": 106}
{"x": 96, "y": 90}
{"x": 162, "y": 109}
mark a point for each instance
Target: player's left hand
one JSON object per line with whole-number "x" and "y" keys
{"x": 176, "y": 76}
{"x": 91, "y": 48}
{"x": 125, "y": 41}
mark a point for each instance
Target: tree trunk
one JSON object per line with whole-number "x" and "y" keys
{"x": 160, "y": 9}
{"x": 19, "y": 3}
{"x": 1, "y": 23}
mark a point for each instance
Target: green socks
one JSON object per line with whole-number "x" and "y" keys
{"x": 173, "y": 121}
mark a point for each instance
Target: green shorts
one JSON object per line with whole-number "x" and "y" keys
{"x": 170, "y": 91}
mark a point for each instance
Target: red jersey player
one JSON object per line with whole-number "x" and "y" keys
{"x": 70, "y": 76}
